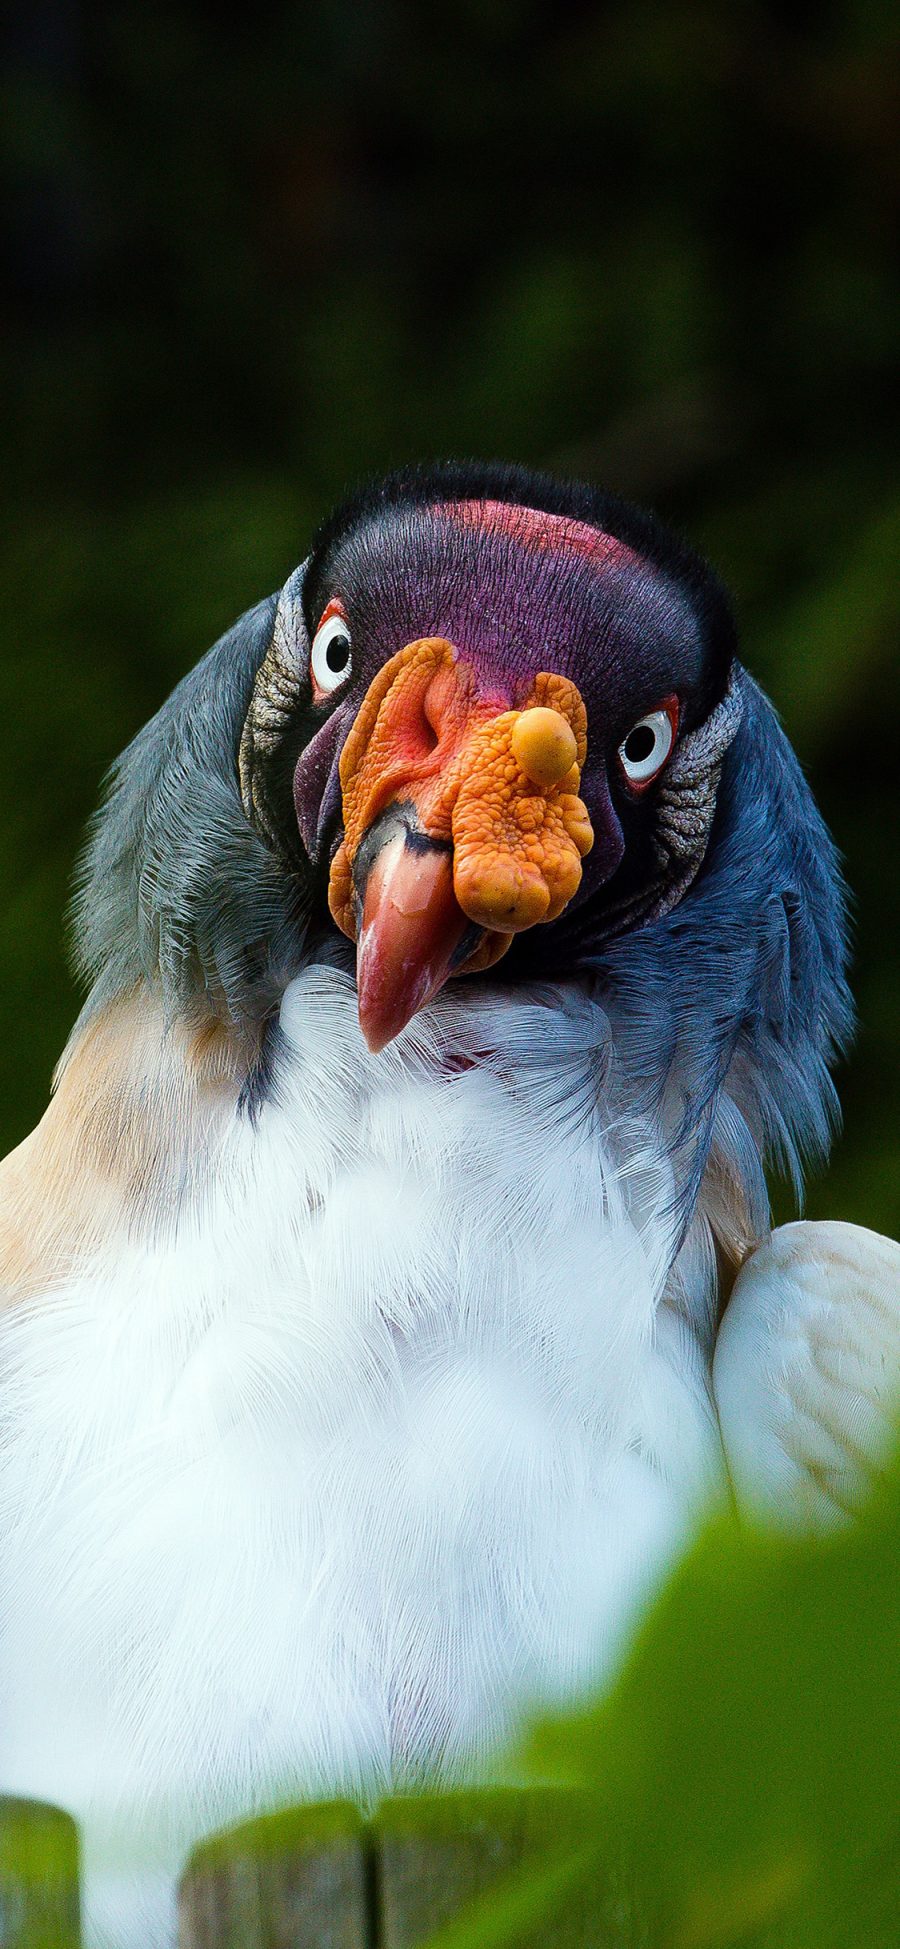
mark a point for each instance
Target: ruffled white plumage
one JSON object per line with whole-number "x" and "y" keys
{"x": 385, "y": 1439}
{"x": 382, "y": 1443}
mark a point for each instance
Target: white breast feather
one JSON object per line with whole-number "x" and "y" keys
{"x": 320, "y": 1492}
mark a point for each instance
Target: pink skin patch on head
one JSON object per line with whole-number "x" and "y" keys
{"x": 548, "y": 533}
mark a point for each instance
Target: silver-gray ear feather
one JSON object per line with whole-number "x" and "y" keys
{"x": 687, "y": 800}
{"x": 273, "y": 698}
{"x": 685, "y": 809}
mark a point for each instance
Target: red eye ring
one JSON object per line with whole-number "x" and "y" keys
{"x": 334, "y": 607}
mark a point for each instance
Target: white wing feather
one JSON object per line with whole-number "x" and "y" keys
{"x": 807, "y": 1371}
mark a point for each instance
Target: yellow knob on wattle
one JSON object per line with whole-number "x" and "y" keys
{"x": 543, "y": 745}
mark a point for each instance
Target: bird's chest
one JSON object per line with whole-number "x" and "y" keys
{"x": 312, "y": 1492}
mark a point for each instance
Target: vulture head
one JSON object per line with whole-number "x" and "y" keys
{"x": 494, "y": 728}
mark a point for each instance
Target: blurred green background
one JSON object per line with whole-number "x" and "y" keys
{"x": 257, "y": 255}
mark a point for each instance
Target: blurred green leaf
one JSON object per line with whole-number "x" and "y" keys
{"x": 741, "y": 1784}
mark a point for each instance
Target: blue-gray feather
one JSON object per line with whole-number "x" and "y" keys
{"x": 175, "y": 883}
{"x": 744, "y": 982}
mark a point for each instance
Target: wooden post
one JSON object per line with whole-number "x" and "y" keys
{"x": 38, "y": 1877}
{"x": 436, "y": 1855}
{"x": 296, "y": 1880}
{"x": 321, "y": 1878}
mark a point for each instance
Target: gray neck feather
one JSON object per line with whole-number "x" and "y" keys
{"x": 175, "y": 885}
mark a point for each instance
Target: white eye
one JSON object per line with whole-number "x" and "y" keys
{"x": 330, "y": 659}
{"x": 646, "y": 748}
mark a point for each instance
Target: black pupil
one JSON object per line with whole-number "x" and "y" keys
{"x": 639, "y": 744}
{"x": 337, "y": 655}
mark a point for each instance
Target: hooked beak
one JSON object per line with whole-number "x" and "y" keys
{"x": 411, "y": 931}
{"x": 462, "y": 827}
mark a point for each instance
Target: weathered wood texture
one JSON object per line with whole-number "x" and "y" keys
{"x": 319, "y": 1878}
{"x": 297, "y": 1880}
{"x": 433, "y": 1857}
{"x": 38, "y": 1877}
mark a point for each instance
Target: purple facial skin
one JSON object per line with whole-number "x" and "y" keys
{"x": 516, "y": 593}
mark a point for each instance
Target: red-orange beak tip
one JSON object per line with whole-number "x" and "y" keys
{"x": 411, "y": 928}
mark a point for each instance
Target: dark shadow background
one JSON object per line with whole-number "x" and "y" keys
{"x": 254, "y": 257}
